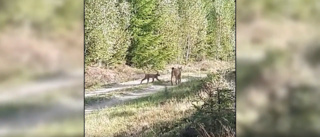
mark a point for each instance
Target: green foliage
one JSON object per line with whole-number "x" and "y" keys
{"x": 152, "y": 33}
{"x": 224, "y": 32}
{"x": 146, "y": 50}
{"x": 169, "y": 29}
{"x": 106, "y": 34}
{"x": 41, "y": 15}
{"x": 293, "y": 9}
{"x": 217, "y": 114}
{"x": 193, "y": 25}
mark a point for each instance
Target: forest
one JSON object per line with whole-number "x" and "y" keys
{"x": 127, "y": 39}
{"x": 150, "y": 34}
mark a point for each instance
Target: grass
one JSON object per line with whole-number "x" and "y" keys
{"x": 159, "y": 113}
{"x": 38, "y": 106}
{"x": 64, "y": 127}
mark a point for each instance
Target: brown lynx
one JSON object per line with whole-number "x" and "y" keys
{"x": 153, "y": 76}
{"x": 176, "y": 72}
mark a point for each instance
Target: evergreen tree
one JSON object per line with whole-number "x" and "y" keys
{"x": 106, "y": 34}
{"x": 147, "y": 49}
{"x": 225, "y": 12}
{"x": 152, "y": 33}
{"x": 193, "y": 29}
{"x": 169, "y": 29}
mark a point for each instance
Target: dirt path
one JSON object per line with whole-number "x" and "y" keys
{"x": 132, "y": 93}
{"x": 43, "y": 86}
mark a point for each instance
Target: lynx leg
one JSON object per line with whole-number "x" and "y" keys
{"x": 142, "y": 80}
{"x": 171, "y": 80}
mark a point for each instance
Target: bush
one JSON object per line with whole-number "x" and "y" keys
{"x": 216, "y": 116}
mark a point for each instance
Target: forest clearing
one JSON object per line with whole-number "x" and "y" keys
{"x": 187, "y": 47}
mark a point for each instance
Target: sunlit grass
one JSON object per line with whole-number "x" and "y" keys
{"x": 60, "y": 128}
{"x": 146, "y": 116}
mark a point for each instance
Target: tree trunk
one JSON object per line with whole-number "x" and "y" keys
{"x": 219, "y": 103}
{"x": 99, "y": 63}
{"x": 188, "y": 49}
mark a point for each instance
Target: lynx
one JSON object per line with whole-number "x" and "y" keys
{"x": 176, "y": 72}
{"x": 153, "y": 76}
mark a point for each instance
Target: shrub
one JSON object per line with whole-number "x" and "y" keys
{"x": 216, "y": 115}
